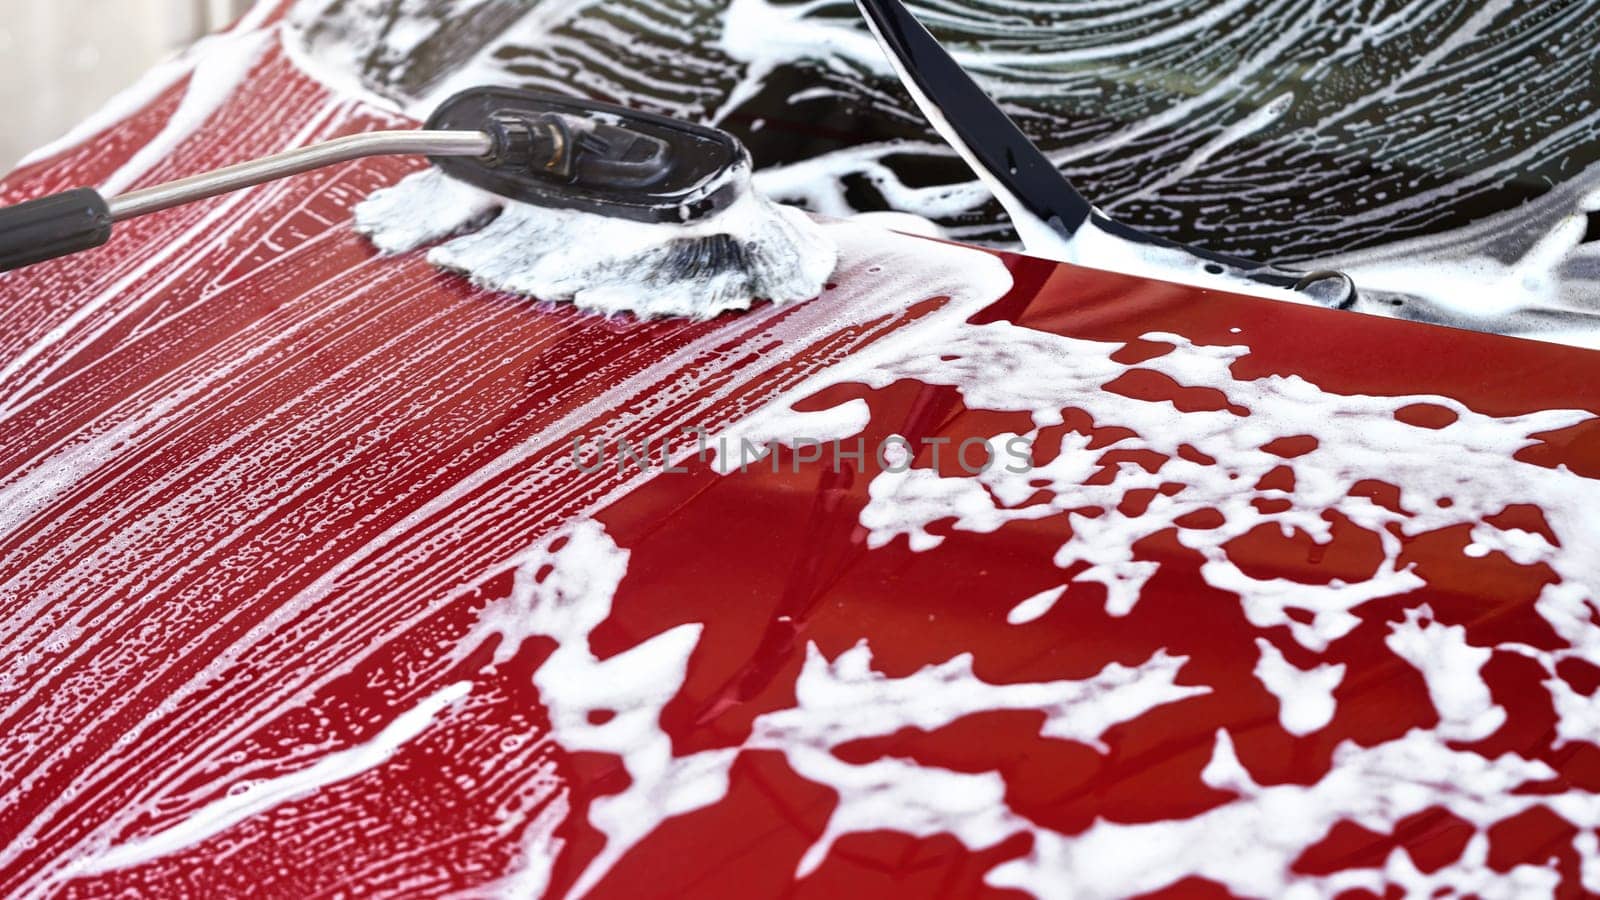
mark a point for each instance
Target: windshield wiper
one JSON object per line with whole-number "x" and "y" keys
{"x": 1041, "y": 201}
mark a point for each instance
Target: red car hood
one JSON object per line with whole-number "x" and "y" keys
{"x": 327, "y": 573}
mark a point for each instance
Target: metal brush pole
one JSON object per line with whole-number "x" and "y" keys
{"x": 81, "y": 219}
{"x": 295, "y": 162}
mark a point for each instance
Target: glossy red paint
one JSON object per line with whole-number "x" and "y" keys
{"x": 270, "y": 480}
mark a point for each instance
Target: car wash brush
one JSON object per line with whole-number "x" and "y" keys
{"x": 610, "y": 209}
{"x": 559, "y": 199}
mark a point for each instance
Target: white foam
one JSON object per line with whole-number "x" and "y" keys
{"x": 908, "y": 501}
{"x": 604, "y": 264}
{"x": 1470, "y": 463}
{"x": 905, "y": 223}
{"x": 1452, "y": 670}
{"x": 753, "y": 439}
{"x": 1305, "y": 696}
{"x": 1089, "y": 245}
{"x": 1248, "y": 845}
{"x": 564, "y": 588}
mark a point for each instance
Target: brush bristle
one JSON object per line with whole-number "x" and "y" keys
{"x": 754, "y": 249}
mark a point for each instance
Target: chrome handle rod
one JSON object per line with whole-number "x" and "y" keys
{"x": 294, "y": 162}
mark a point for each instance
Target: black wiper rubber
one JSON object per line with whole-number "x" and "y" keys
{"x": 992, "y": 140}
{"x": 989, "y": 134}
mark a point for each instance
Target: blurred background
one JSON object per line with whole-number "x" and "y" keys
{"x": 61, "y": 59}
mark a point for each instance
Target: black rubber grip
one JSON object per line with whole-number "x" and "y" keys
{"x": 52, "y": 226}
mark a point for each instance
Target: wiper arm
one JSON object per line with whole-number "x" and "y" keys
{"x": 1043, "y": 204}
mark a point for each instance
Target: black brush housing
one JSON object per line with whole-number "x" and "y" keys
{"x": 594, "y": 157}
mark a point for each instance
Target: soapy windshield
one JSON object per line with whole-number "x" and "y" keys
{"x": 1351, "y": 133}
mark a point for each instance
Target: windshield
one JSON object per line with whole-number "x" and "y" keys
{"x": 1296, "y": 132}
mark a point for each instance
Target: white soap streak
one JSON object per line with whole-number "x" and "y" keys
{"x": 50, "y": 476}
{"x": 1493, "y": 442}
{"x": 1588, "y": 846}
{"x": 1525, "y": 548}
{"x": 1546, "y": 291}
{"x": 905, "y": 223}
{"x": 1249, "y": 125}
{"x": 1123, "y": 579}
{"x": 1469, "y": 876}
{"x": 564, "y": 587}
{"x": 328, "y": 68}
{"x": 763, "y": 36}
{"x": 218, "y": 71}
{"x": 1096, "y": 248}
{"x": 1305, "y": 696}
{"x": 1035, "y": 607}
{"x": 533, "y": 28}
{"x": 1569, "y": 609}
{"x": 47, "y": 477}
{"x": 1577, "y": 715}
{"x": 816, "y": 183}
{"x": 896, "y": 795}
{"x": 1089, "y": 245}
{"x": 564, "y": 594}
{"x": 1452, "y": 670}
{"x": 246, "y": 799}
{"x": 221, "y": 219}
{"x": 1267, "y": 601}
{"x": 536, "y": 858}
{"x": 1525, "y": 271}
{"x": 605, "y": 264}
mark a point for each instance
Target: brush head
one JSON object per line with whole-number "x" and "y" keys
{"x": 594, "y": 157}
{"x": 611, "y": 210}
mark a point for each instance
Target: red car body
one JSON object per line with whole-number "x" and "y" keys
{"x": 306, "y": 592}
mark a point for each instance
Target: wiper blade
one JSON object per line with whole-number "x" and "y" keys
{"x": 1022, "y": 178}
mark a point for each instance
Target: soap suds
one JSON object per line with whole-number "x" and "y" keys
{"x": 1452, "y": 670}
{"x": 908, "y": 501}
{"x": 1305, "y": 696}
{"x": 1248, "y": 845}
{"x": 1477, "y": 788}
{"x": 1002, "y": 367}
{"x": 564, "y": 588}
{"x": 753, "y": 249}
